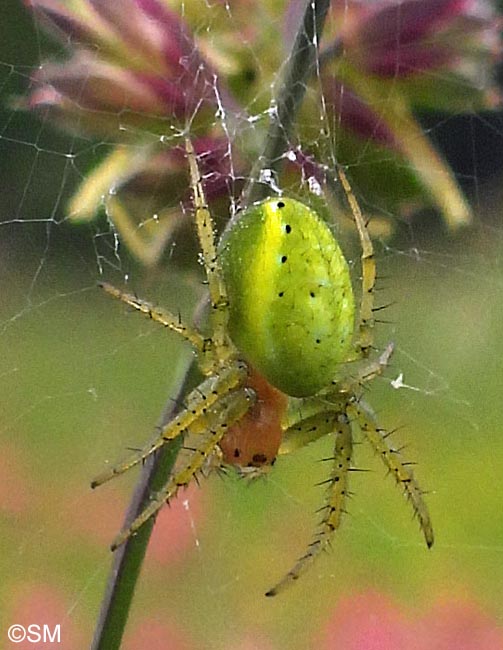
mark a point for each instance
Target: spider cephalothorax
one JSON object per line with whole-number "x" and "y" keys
{"x": 276, "y": 362}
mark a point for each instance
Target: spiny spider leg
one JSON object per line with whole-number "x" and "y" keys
{"x": 205, "y": 231}
{"x": 197, "y": 404}
{"x": 404, "y": 476}
{"x": 309, "y": 430}
{"x": 316, "y": 426}
{"x": 216, "y": 423}
{"x": 334, "y": 507}
{"x": 365, "y": 328}
{"x": 157, "y": 315}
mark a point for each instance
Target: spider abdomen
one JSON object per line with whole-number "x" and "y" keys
{"x": 253, "y": 442}
{"x": 290, "y": 295}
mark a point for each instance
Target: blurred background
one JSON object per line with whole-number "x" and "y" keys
{"x": 82, "y": 380}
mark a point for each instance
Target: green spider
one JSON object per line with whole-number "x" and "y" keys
{"x": 284, "y": 363}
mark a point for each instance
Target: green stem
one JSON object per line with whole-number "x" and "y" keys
{"x": 300, "y": 65}
{"x": 129, "y": 557}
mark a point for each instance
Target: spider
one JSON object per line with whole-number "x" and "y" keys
{"x": 282, "y": 338}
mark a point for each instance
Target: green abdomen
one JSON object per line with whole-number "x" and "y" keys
{"x": 291, "y": 301}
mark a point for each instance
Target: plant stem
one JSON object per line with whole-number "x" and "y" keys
{"x": 128, "y": 558}
{"x": 299, "y": 66}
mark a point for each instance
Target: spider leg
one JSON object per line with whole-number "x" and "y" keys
{"x": 206, "y": 234}
{"x": 336, "y": 494}
{"x": 365, "y": 373}
{"x": 365, "y": 335}
{"x": 198, "y": 402}
{"x": 232, "y": 408}
{"x": 315, "y": 426}
{"x": 157, "y": 315}
{"x": 307, "y": 430}
{"x": 404, "y": 476}
{"x": 310, "y": 428}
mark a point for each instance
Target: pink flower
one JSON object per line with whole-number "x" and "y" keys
{"x": 391, "y": 38}
{"x": 389, "y": 58}
{"x": 43, "y": 605}
{"x": 132, "y": 60}
{"x": 372, "y": 621}
{"x": 368, "y": 621}
{"x": 137, "y": 77}
{"x": 358, "y": 116}
{"x": 156, "y": 635}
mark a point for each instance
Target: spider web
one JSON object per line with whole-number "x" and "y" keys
{"x": 83, "y": 380}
